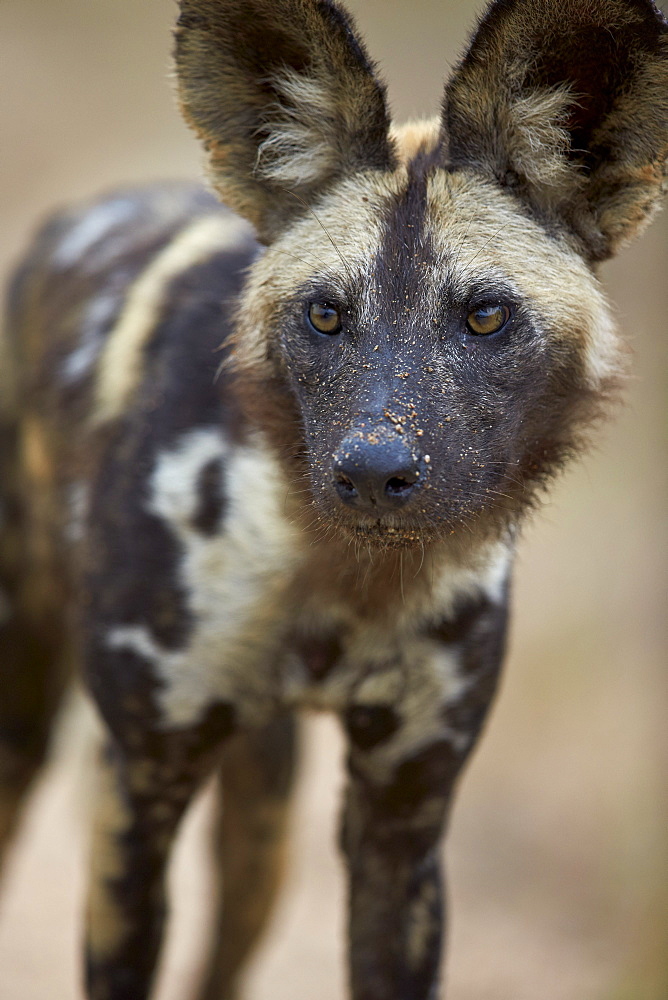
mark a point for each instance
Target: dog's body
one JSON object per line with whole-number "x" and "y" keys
{"x": 321, "y": 512}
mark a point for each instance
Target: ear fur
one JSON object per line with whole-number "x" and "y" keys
{"x": 566, "y": 102}
{"x": 285, "y": 99}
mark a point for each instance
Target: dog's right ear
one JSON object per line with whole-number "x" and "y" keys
{"x": 284, "y": 98}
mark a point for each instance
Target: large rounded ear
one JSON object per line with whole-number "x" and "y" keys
{"x": 285, "y": 99}
{"x": 566, "y": 101}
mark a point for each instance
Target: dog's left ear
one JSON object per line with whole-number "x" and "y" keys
{"x": 566, "y": 103}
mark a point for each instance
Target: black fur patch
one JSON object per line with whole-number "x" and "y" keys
{"x": 370, "y": 725}
{"x": 428, "y": 774}
{"x": 319, "y": 655}
{"x": 183, "y": 358}
{"x": 477, "y": 627}
{"x": 218, "y": 722}
{"x": 478, "y": 630}
{"x": 210, "y": 498}
{"x": 405, "y": 247}
{"x": 122, "y": 982}
{"x": 134, "y": 576}
{"x": 125, "y": 687}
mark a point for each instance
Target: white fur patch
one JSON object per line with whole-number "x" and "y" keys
{"x": 538, "y": 140}
{"x": 77, "y": 508}
{"x": 485, "y": 576}
{"x": 436, "y": 683}
{"x": 94, "y": 225}
{"x": 603, "y": 354}
{"x": 236, "y": 582}
{"x": 299, "y": 149}
{"x": 82, "y": 359}
{"x": 176, "y": 475}
{"x": 135, "y": 639}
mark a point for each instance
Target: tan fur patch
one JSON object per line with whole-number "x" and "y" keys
{"x": 37, "y": 453}
{"x": 421, "y": 923}
{"x": 414, "y": 137}
{"x": 491, "y": 238}
{"x": 106, "y": 928}
{"x": 120, "y": 366}
{"x": 338, "y": 240}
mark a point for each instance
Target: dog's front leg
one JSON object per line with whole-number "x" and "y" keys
{"x": 391, "y": 836}
{"x": 144, "y": 786}
{"x": 406, "y": 753}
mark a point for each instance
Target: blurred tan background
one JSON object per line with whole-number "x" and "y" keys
{"x": 558, "y": 862}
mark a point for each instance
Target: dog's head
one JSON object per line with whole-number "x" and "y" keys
{"x": 424, "y": 337}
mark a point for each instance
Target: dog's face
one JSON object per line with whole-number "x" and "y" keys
{"x": 424, "y": 332}
{"x": 441, "y": 348}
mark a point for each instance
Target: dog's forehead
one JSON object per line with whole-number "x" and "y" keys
{"x": 342, "y": 232}
{"x": 428, "y": 226}
{"x": 400, "y": 245}
{"x": 476, "y": 228}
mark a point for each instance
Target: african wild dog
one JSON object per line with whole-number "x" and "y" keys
{"x": 323, "y": 513}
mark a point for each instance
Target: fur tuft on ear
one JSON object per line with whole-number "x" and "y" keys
{"x": 284, "y": 98}
{"x": 566, "y": 103}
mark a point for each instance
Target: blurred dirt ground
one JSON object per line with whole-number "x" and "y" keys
{"x": 557, "y": 859}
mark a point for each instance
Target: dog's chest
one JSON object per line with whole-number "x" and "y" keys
{"x": 271, "y": 620}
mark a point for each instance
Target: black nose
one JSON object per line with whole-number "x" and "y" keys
{"x": 374, "y": 472}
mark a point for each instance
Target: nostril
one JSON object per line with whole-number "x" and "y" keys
{"x": 345, "y": 486}
{"x": 397, "y": 486}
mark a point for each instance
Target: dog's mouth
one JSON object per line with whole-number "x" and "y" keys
{"x": 385, "y": 534}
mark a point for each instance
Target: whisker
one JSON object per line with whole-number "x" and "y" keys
{"x": 417, "y": 571}
{"x": 485, "y": 244}
{"x": 462, "y": 243}
{"x": 327, "y": 234}
{"x": 295, "y": 256}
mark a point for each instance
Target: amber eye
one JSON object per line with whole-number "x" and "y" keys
{"x": 488, "y": 318}
{"x": 324, "y": 318}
